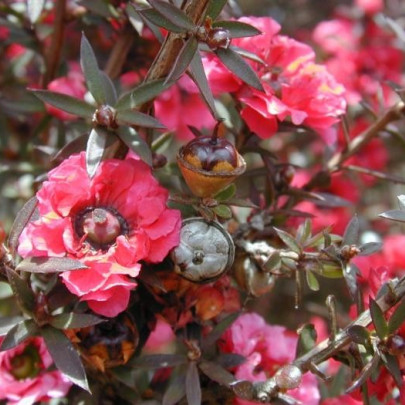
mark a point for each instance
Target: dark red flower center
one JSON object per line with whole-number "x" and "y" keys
{"x": 101, "y": 225}
{"x": 27, "y": 364}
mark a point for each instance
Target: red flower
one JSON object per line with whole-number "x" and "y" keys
{"x": 110, "y": 222}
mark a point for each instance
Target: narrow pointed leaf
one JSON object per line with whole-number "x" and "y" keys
{"x": 351, "y": 234}
{"x": 142, "y": 94}
{"x": 95, "y": 149}
{"x": 235, "y": 63}
{"x": 133, "y": 117}
{"x": 65, "y": 356}
{"x": 73, "y": 320}
{"x": 193, "y": 387}
{"x": 20, "y": 222}
{"x": 378, "y": 318}
{"x": 237, "y": 29}
{"x": 49, "y": 264}
{"x": 66, "y": 103}
{"x": 397, "y": 318}
{"x": 304, "y": 231}
{"x": 8, "y": 322}
{"x": 34, "y": 9}
{"x": 217, "y": 373}
{"x": 365, "y": 374}
{"x": 109, "y": 89}
{"x": 173, "y": 14}
{"x": 248, "y": 55}
{"x": 394, "y": 215}
{"x": 230, "y": 360}
{"x": 91, "y": 71}
{"x": 18, "y": 333}
{"x": 370, "y": 248}
{"x": 199, "y": 77}
{"x": 393, "y": 367}
{"x": 288, "y": 240}
{"x": 350, "y": 275}
{"x": 183, "y": 59}
{"x": 22, "y": 291}
{"x": 312, "y": 281}
{"x": 137, "y": 144}
{"x": 156, "y": 19}
{"x": 396, "y": 28}
{"x": 219, "y": 329}
{"x": 176, "y": 389}
{"x": 359, "y": 334}
{"x": 215, "y": 7}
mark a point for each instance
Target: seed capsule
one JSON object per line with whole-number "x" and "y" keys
{"x": 205, "y": 252}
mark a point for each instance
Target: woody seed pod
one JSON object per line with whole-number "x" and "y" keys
{"x": 205, "y": 252}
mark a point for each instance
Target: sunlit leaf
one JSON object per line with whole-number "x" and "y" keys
{"x": 226, "y": 193}
{"x": 235, "y": 63}
{"x": 18, "y": 333}
{"x": 137, "y": 144}
{"x": 237, "y": 29}
{"x": 312, "y": 281}
{"x": 65, "y": 356}
{"x": 20, "y": 222}
{"x": 350, "y": 273}
{"x": 8, "y": 322}
{"x": 183, "y": 59}
{"x": 95, "y": 149}
{"x": 91, "y": 72}
{"x": 173, "y": 14}
{"x": 193, "y": 387}
{"x": 73, "y": 320}
{"x": 49, "y": 264}
{"x": 34, "y": 9}
{"x": 136, "y": 118}
{"x": 223, "y": 211}
{"x": 379, "y": 322}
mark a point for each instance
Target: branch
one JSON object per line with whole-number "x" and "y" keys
{"x": 268, "y": 389}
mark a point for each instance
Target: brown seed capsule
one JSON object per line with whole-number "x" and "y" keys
{"x": 218, "y": 38}
{"x": 288, "y": 377}
{"x": 395, "y": 345}
{"x": 209, "y": 164}
{"x": 205, "y": 252}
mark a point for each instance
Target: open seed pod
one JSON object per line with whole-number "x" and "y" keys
{"x": 205, "y": 252}
{"x": 208, "y": 164}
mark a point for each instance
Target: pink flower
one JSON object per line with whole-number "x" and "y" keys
{"x": 24, "y": 378}
{"x": 370, "y": 6}
{"x": 72, "y": 85}
{"x": 266, "y": 348}
{"x": 111, "y": 222}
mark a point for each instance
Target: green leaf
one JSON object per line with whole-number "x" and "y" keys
{"x": 155, "y": 361}
{"x": 306, "y": 340}
{"x": 274, "y": 262}
{"x": 237, "y": 29}
{"x": 65, "y": 356}
{"x": 92, "y": 74}
{"x": 215, "y": 7}
{"x": 22, "y": 291}
{"x": 379, "y": 322}
{"x": 173, "y": 14}
{"x": 351, "y": 233}
{"x": 142, "y": 94}
{"x": 153, "y": 16}
{"x": 235, "y": 63}
{"x": 401, "y": 201}
{"x": 137, "y": 144}
{"x": 18, "y": 333}
{"x": 217, "y": 373}
{"x": 223, "y": 211}
{"x": 73, "y": 320}
{"x": 74, "y": 146}
{"x": 248, "y": 55}
{"x": 312, "y": 281}
{"x": 288, "y": 240}
{"x": 95, "y": 149}
{"x": 66, "y": 103}
{"x": 34, "y": 9}
{"x": 199, "y": 77}
{"x": 360, "y": 335}
{"x": 226, "y": 193}
{"x": 109, "y": 89}
{"x": 8, "y": 322}
{"x": 393, "y": 367}
{"x": 193, "y": 386}
{"x": 397, "y": 318}
{"x": 133, "y": 117}
{"x": 49, "y": 264}
{"x": 394, "y": 215}
{"x": 183, "y": 59}
{"x": 20, "y": 222}
{"x": 304, "y": 231}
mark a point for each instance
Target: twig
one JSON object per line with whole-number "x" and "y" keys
{"x": 376, "y": 173}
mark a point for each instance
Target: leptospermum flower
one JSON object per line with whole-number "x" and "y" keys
{"x": 266, "y": 348}
{"x": 24, "y": 375}
{"x": 110, "y": 222}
